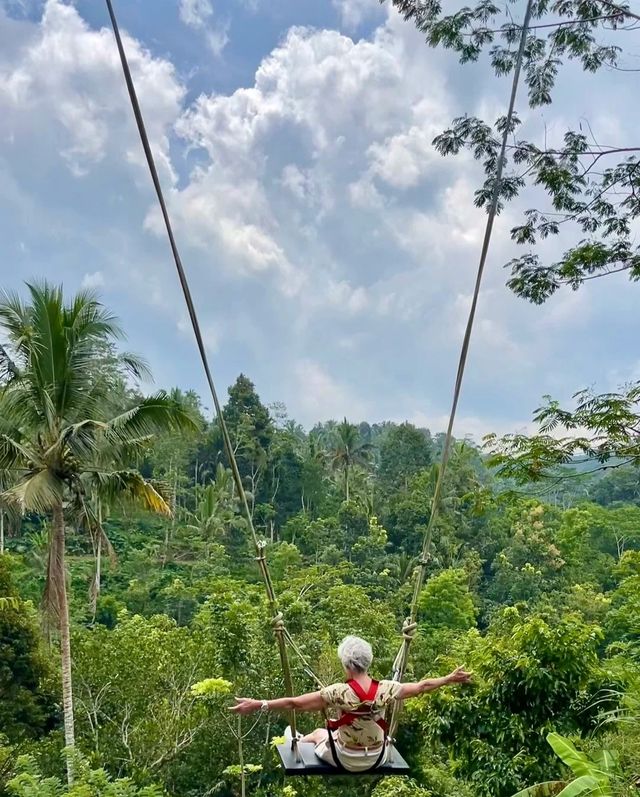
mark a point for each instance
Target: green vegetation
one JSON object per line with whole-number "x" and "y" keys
{"x": 118, "y": 514}
{"x": 131, "y": 497}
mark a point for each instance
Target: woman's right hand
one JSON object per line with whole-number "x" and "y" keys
{"x": 246, "y": 705}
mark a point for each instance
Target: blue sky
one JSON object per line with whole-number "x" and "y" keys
{"x": 331, "y": 250}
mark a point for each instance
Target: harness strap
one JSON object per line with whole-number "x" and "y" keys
{"x": 367, "y": 697}
{"x": 334, "y": 753}
{"x": 350, "y": 717}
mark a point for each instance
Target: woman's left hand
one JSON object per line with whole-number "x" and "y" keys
{"x": 246, "y": 705}
{"x": 459, "y": 676}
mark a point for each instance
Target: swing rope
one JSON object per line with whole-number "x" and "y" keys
{"x": 410, "y": 624}
{"x": 277, "y": 621}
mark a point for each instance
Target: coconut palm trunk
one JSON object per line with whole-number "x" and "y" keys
{"x": 96, "y": 586}
{"x": 95, "y": 589}
{"x": 57, "y": 563}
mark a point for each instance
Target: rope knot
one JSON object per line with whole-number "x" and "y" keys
{"x": 409, "y": 629}
{"x": 277, "y": 623}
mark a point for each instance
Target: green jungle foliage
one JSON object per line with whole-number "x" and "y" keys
{"x": 534, "y": 588}
{"x": 121, "y": 531}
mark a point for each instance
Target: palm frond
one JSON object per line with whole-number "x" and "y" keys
{"x": 10, "y": 602}
{"x": 157, "y": 413}
{"x": 79, "y": 439}
{"x": 48, "y": 349}
{"x": 90, "y": 520}
{"x": 8, "y": 369}
{"x": 129, "y": 485}
{"x": 20, "y": 406}
{"x": 88, "y": 318}
{"x": 135, "y": 365}
{"x": 110, "y": 455}
{"x": 12, "y": 454}
{"x": 10, "y": 509}
{"x": 36, "y": 493}
{"x": 59, "y": 346}
{"x": 14, "y": 319}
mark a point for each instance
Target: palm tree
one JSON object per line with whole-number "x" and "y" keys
{"x": 349, "y": 450}
{"x": 217, "y": 507}
{"x": 57, "y": 439}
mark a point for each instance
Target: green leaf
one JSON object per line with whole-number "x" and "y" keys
{"x": 578, "y": 762}
{"x": 605, "y": 761}
{"x": 211, "y": 688}
{"x": 585, "y": 784}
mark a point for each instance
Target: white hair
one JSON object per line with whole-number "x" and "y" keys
{"x": 355, "y": 654}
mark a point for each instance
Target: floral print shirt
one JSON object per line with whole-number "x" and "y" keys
{"x": 365, "y": 732}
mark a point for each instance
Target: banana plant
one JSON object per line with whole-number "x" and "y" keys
{"x": 593, "y": 776}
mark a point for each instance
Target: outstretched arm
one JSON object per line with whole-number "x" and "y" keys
{"x": 458, "y": 676}
{"x": 310, "y": 702}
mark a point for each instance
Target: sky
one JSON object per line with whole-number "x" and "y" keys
{"x": 331, "y": 250}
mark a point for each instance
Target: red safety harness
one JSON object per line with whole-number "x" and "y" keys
{"x": 365, "y": 709}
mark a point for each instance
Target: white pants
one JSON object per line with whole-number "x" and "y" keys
{"x": 351, "y": 760}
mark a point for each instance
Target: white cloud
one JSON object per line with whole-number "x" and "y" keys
{"x": 296, "y": 181}
{"x": 210, "y": 334}
{"x": 69, "y": 77}
{"x": 195, "y": 13}
{"x": 322, "y": 396}
{"x": 473, "y": 426}
{"x": 343, "y": 295}
{"x": 354, "y": 12}
{"x": 218, "y": 38}
{"x": 363, "y": 194}
{"x": 405, "y": 158}
{"x": 199, "y": 14}
{"x": 337, "y": 102}
{"x": 94, "y": 280}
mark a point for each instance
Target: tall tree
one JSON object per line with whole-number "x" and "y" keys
{"x": 314, "y": 459}
{"x": 348, "y": 450}
{"x": 600, "y": 432}
{"x": 619, "y": 485}
{"x": 56, "y": 438}
{"x": 592, "y": 188}
{"x": 285, "y": 475}
{"x": 405, "y": 450}
{"x": 244, "y": 407}
{"x": 251, "y": 430}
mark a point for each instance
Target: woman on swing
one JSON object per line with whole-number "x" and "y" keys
{"x": 359, "y": 734}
